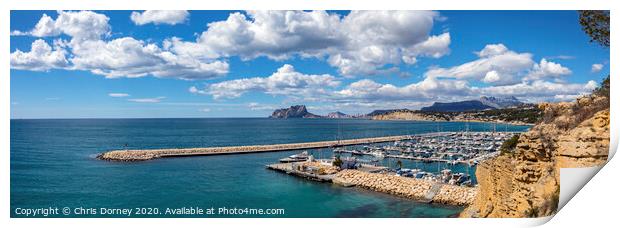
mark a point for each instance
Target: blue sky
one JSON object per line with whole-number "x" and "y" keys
{"x": 117, "y": 64}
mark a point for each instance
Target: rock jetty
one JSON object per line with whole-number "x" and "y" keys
{"x": 411, "y": 188}
{"x": 141, "y": 155}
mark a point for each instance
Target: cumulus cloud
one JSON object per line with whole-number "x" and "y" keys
{"x": 147, "y": 100}
{"x": 498, "y": 65}
{"x": 540, "y": 90}
{"x": 128, "y": 57}
{"x": 492, "y": 50}
{"x": 325, "y": 88}
{"x": 41, "y": 57}
{"x": 118, "y": 94}
{"x": 429, "y": 88}
{"x": 285, "y": 81}
{"x": 120, "y": 57}
{"x": 432, "y": 89}
{"x": 171, "y": 17}
{"x": 362, "y": 42}
{"x": 548, "y": 69}
{"x": 79, "y": 25}
{"x": 597, "y": 67}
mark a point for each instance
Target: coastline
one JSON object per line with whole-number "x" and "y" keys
{"x": 515, "y": 123}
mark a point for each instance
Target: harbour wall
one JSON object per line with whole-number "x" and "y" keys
{"x": 141, "y": 155}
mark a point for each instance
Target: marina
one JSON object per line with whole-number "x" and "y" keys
{"x": 451, "y": 148}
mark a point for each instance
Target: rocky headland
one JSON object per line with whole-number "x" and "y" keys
{"x": 295, "y": 111}
{"x": 525, "y": 181}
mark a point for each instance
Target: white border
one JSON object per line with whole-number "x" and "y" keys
{"x": 594, "y": 205}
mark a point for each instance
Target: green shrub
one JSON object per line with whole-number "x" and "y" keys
{"x": 509, "y": 145}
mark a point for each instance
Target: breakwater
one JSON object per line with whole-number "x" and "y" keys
{"x": 421, "y": 190}
{"x": 141, "y": 155}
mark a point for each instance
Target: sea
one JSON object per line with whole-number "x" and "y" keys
{"x": 54, "y": 171}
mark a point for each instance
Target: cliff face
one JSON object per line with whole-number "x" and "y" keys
{"x": 525, "y": 183}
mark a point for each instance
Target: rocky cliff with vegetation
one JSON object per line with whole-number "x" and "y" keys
{"x": 405, "y": 114}
{"x": 525, "y": 180}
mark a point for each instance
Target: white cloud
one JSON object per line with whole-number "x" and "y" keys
{"x": 548, "y": 69}
{"x": 205, "y": 110}
{"x": 434, "y": 46}
{"x": 540, "y": 90}
{"x": 562, "y": 57}
{"x": 193, "y": 89}
{"x": 324, "y": 88}
{"x": 427, "y": 89}
{"x": 360, "y": 42}
{"x": 261, "y": 107}
{"x": 118, "y": 94}
{"x": 496, "y": 62}
{"x": 492, "y": 77}
{"x": 432, "y": 89}
{"x": 147, "y": 100}
{"x": 41, "y": 57}
{"x": 121, "y": 57}
{"x": 79, "y": 25}
{"x": 285, "y": 81}
{"x": 498, "y": 65}
{"x": 128, "y": 57}
{"x": 597, "y": 67}
{"x": 170, "y": 17}
{"x": 492, "y": 50}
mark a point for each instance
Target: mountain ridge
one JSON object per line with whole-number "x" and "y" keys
{"x": 484, "y": 103}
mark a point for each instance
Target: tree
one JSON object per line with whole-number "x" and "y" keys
{"x": 603, "y": 89}
{"x": 337, "y": 162}
{"x": 595, "y": 23}
{"x": 509, "y": 145}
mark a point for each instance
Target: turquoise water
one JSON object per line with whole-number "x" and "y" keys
{"x": 53, "y": 165}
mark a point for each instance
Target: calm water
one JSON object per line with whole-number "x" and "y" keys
{"x": 53, "y": 165}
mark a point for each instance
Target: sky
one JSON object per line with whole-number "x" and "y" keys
{"x": 167, "y": 64}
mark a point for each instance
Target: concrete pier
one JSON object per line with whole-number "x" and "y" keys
{"x": 288, "y": 168}
{"x": 140, "y": 155}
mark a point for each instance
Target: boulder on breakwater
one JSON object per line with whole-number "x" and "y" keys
{"x": 406, "y": 187}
